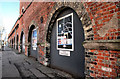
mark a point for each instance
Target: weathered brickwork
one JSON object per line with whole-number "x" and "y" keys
{"x": 101, "y": 24}
{"x": 105, "y": 17}
{"x": 105, "y": 20}
{"x": 102, "y": 63}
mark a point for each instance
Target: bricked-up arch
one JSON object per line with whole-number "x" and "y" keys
{"x": 29, "y": 37}
{"x": 83, "y": 16}
{"x": 32, "y": 26}
{"x": 17, "y": 39}
{"x": 12, "y": 43}
{"x": 21, "y": 38}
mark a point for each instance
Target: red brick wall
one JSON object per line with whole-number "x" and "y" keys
{"x": 103, "y": 59}
{"x": 23, "y": 4}
{"x": 34, "y": 13}
{"x": 103, "y": 14}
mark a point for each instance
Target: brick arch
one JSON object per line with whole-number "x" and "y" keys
{"x": 30, "y": 32}
{"x": 33, "y": 23}
{"x": 32, "y": 26}
{"x": 22, "y": 32}
{"x": 82, "y": 14}
{"x": 17, "y": 41}
{"x": 21, "y": 35}
{"x": 12, "y": 42}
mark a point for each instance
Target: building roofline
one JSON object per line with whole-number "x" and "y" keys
{"x": 19, "y": 19}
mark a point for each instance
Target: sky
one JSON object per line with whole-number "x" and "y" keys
{"x": 9, "y": 12}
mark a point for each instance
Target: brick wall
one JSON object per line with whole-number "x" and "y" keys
{"x": 103, "y": 61}
{"x": 105, "y": 17}
{"x": 101, "y": 27}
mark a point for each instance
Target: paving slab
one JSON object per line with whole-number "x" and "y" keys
{"x": 27, "y": 67}
{"x": 46, "y": 69}
{"x": 26, "y": 73}
{"x": 50, "y": 75}
{"x": 62, "y": 73}
{"x": 10, "y": 71}
{"x": 37, "y": 73}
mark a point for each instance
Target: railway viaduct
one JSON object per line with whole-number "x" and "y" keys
{"x": 81, "y": 38}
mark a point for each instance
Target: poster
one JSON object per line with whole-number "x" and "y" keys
{"x": 34, "y": 39}
{"x": 65, "y": 33}
{"x": 23, "y": 41}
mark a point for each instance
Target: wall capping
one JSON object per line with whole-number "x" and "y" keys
{"x": 103, "y": 41}
{"x": 102, "y": 44}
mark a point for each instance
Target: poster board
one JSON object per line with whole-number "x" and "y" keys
{"x": 23, "y": 41}
{"x": 34, "y": 39}
{"x": 65, "y": 32}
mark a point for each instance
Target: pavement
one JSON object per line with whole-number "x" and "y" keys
{"x": 18, "y": 66}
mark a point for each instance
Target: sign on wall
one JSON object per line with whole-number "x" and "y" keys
{"x": 64, "y": 53}
{"x": 65, "y": 33}
{"x": 34, "y": 39}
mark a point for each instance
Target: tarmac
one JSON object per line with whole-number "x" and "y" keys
{"x": 16, "y": 65}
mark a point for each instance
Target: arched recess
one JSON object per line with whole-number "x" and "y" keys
{"x": 17, "y": 39}
{"x": 83, "y": 16}
{"x": 22, "y": 42}
{"x": 32, "y": 40}
{"x": 10, "y": 43}
{"x": 14, "y": 42}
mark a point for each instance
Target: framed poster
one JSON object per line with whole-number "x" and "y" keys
{"x": 65, "y": 32}
{"x": 34, "y": 39}
{"x": 23, "y": 41}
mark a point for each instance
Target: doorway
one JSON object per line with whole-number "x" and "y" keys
{"x": 14, "y": 42}
{"x": 32, "y": 39}
{"x": 17, "y": 42}
{"x": 22, "y": 42}
{"x": 67, "y": 51}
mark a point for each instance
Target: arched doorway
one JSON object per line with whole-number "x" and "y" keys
{"x": 17, "y": 42}
{"x": 22, "y": 42}
{"x": 66, "y": 49}
{"x": 10, "y": 43}
{"x": 32, "y": 39}
{"x": 14, "y": 42}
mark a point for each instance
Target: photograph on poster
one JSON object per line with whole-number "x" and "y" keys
{"x": 65, "y": 33}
